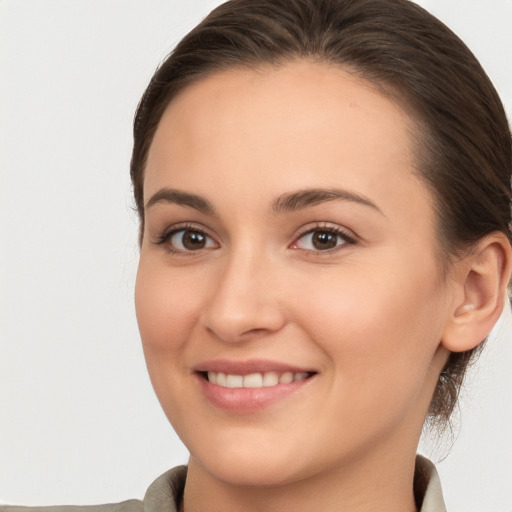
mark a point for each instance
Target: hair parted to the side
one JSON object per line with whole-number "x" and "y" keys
{"x": 463, "y": 142}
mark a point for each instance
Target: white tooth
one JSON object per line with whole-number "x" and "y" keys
{"x": 253, "y": 380}
{"x": 270, "y": 379}
{"x": 212, "y": 377}
{"x": 286, "y": 378}
{"x": 221, "y": 379}
{"x": 300, "y": 376}
{"x": 234, "y": 381}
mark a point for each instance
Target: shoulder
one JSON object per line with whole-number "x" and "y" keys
{"x": 163, "y": 495}
{"x": 427, "y": 487}
{"x": 124, "y": 506}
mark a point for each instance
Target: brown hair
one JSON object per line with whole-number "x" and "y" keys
{"x": 463, "y": 141}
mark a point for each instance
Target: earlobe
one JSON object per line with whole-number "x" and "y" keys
{"x": 482, "y": 278}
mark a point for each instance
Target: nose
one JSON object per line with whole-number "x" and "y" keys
{"x": 244, "y": 303}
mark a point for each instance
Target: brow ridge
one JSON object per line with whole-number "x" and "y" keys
{"x": 293, "y": 201}
{"x": 175, "y": 196}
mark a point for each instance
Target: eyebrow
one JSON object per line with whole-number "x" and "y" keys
{"x": 301, "y": 199}
{"x": 174, "y": 196}
{"x": 288, "y": 202}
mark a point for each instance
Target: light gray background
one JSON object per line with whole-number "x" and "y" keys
{"x": 78, "y": 420}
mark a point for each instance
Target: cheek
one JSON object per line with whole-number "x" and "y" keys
{"x": 165, "y": 310}
{"x": 166, "y": 316}
{"x": 380, "y": 331}
{"x": 369, "y": 301}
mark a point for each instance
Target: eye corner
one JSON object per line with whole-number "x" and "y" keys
{"x": 323, "y": 238}
{"x": 186, "y": 240}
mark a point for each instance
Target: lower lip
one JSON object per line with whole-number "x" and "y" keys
{"x": 248, "y": 399}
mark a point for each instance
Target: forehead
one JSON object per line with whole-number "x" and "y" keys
{"x": 306, "y": 123}
{"x": 305, "y": 91}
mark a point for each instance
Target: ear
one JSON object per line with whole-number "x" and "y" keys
{"x": 481, "y": 281}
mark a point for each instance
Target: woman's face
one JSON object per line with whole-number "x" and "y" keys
{"x": 288, "y": 293}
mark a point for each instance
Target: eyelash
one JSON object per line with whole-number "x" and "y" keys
{"x": 348, "y": 239}
{"x": 165, "y": 237}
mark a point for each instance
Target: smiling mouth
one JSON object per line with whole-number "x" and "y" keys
{"x": 248, "y": 387}
{"x": 254, "y": 380}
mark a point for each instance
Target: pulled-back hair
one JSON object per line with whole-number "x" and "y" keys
{"x": 462, "y": 142}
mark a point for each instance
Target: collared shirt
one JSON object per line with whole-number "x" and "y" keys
{"x": 165, "y": 494}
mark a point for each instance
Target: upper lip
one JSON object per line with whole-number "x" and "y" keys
{"x": 246, "y": 367}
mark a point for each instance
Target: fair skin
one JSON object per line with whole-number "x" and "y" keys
{"x": 286, "y": 233}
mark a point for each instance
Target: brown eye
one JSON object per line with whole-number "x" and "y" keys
{"x": 188, "y": 240}
{"x": 322, "y": 240}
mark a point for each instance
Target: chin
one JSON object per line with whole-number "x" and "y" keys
{"x": 248, "y": 463}
{"x": 262, "y": 471}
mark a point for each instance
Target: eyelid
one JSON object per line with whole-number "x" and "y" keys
{"x": 165, "y": 235}
{"x": 349, "y": 237}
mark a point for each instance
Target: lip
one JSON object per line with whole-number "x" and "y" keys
{"x": 249, "y": 366}
{"x": 247, "y": 400}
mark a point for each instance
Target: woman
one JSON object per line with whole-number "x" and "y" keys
{"x": 301, "y": 172}
{"x": 324, "y": 196}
